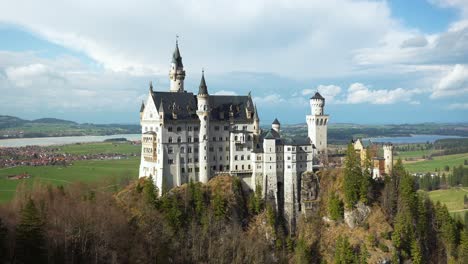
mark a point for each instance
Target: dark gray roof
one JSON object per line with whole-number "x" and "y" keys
{"x": 296, "y": 141}
{"x": 184, "y": 105}
{"x": 142, "y": 108}
{"x": 202, "y": 89}
{"x": 317, "y": 96}
{"x": 276, "y": 122}
{"x": 176, "y": 58}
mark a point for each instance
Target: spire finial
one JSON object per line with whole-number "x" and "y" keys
{"x": 177, "y": 39}
{"x": 151, "y": 85}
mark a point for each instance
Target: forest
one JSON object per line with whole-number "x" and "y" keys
{"x": 221, "y": 222}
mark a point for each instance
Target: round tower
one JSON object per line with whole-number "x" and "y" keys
{"x": 276, "y": 125}
{"x": 317, "y": 102}
{"x": 388, "y": 155}
{"x": 177, "y": 73}
{"x": 203, "y": 113}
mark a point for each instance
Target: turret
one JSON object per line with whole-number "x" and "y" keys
{"x": 388, "y": 155}
{"x": 317, "y": 102}
{"x": 203, "y": 113}
{"x": 177, "y": 73}
{"x": 276, "y": 125}
{"x": 142, "y": 108}
{"x": 256, "y": 121}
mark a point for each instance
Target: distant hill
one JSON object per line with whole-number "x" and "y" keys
{"x": 14, "y": 127}
{"x": 52, "y": 121}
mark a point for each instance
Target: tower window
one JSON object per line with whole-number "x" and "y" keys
{"x": 169, "y": 139}
{"x": 169, "y": 129}
{"x": 179, "y": 129}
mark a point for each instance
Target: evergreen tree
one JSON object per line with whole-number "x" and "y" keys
{"x": 335, "y": 207}
{"x": 30, "y": 236}
{"x": 150, "y": 191}
{"x": 344, "y": 253}
{"x": 366, "y": 178}
{"x": 463, "y": 248}
{"x": 219, "y": 206}
{"x": 352, "y": 177}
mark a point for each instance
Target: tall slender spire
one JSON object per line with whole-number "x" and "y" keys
{"x": 203, "y": 89}
{"x": 176, "y": 58}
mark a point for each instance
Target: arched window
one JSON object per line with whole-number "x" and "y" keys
{"x": 182, "y": 150}
{"x": 169, "y": 140}
{"x": 178, "y": 140}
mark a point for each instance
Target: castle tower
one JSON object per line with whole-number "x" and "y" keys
{"x": 256, "y": 122}
{"x": 388, "y": 155}
{"x": 177, "y": 73}
{"x": 203, "y": 113}
{"x": 317, "y": 124}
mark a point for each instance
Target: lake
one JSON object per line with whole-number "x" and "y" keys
{"x": 410, "y": 139}
{"x": 48, "y": 141}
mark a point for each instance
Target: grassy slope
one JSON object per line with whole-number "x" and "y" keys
{"x": 84, "y": 171}
{"x": 437, "y": 163}
{"x": 452, "y": 198}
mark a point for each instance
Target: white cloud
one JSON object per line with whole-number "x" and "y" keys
{"x": 455, "y": 82}
{"x": 458, "y": 106}
{"x": 360, "y": 93}
{"x": 272, "y": 100}
{"x": 329, "y": 92}
{"x": 224, "y": 92}
{"x": 416, "y": 41}
{"x": 247, "y": 35}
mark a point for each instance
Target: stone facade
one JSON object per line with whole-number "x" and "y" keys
{"x": 195, "y": 137}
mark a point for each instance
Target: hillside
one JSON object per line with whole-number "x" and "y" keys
{"x": 14, "y": 127}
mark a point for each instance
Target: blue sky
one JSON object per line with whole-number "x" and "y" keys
{"x": 374, "y": 61}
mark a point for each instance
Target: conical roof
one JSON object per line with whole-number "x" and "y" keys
{"x": 276, "y": 122}
{"x": 202, "y": 89}
{"x": 176, "y": 58}
{"x": 317, "y": 96}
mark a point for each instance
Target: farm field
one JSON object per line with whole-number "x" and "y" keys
{"x": 452, "y": 198}
{"x": 438, "y": 162}
{"x": 80, "y": 171}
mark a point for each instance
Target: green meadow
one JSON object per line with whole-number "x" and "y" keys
{"x": 109, "y": 171}
{"x": 438, "y": 162}
{"x": 452, "y": 198}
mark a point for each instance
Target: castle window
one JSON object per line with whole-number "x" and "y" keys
{"x": 182, "y": 150}
{"x": 178, "y": 140}
{"x": 182, "y": 160}
{"x": 244, "y": 127}
{"x": 189, "y": 150}
{"x": 190, "y": 160}
{"x": 195, "y": 139}
{"x": 248, "y": 157}
{"x": 169, "y": 140}
{"x": 270, "y": 158}
{"x": 227, "y": 148}
{"x": 289, "y": 157}
{"x": 189, "y": 128}
{"x": 211, "y": 149}
{"x": 235, "y": 138}
{"x": 189, "y": 139}
{"x": 214, "y": 157}
{"x": 220, "y": 138}
{"x": 226, "y": 127}
{"x": 248, "y": 138}
{"x": 220, "y": 157}
{"x": 179, "y": 129}
{"x": 227, "y": 167}
{"x": 196, "y": 150}
{"x": 227, "y": 138}
{"x": 235, "y": 157}
{"x": 236, "y": 167}
{"x": 242, "y": 157}
{"x": 169, "y": 129}
{"x": 214, "y": 138}
{"x": 242, "y": 167}
{"x": 289, "y": 166}
{"x": 170, "y": 161}
{"x": 197, "y": 169}
{"x": 196, "y": 159}
{"x": 214, "y": 168}
{"x": 220, "y": 167}
{"x": 190, "y": 169}
{"x": 216, "y": 128}
{"x": 248, "y": 167}
{"x": 195, "y": 128}
{"x": 170, "y": 150}
{"x": 220, "y": 148}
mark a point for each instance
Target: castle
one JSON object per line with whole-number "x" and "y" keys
{"x": 380, "y": 165}
{"x": 187, "y": 136}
